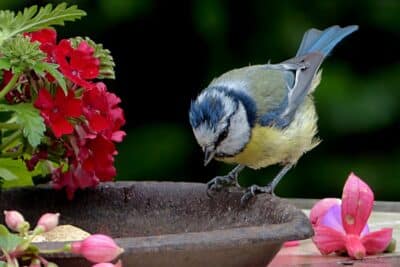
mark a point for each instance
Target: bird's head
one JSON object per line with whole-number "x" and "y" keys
{"x": 220, "y": 123}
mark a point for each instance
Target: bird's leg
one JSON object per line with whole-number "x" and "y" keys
{"x": 269, "y": 189}
{"x": 231, "y": 179}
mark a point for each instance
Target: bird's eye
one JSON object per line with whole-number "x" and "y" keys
{"x": 222, "y": 136}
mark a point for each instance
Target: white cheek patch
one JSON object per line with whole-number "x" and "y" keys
{"x": 239, "y": 133}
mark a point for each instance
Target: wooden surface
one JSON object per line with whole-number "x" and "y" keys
{"x": 306, "y": 254}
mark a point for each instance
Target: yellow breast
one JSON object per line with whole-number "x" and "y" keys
{"x": 269, "y": 145}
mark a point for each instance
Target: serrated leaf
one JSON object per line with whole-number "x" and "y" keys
{"x": 14, "y": 173}
{"x": 31, "y": 19}
{"x": 43, "y": 67}
{"x": 9, "y": 241}
{"x": 104, "y": 55}
{"x": 29, "y": 118}
{"x": 5, "y": 64}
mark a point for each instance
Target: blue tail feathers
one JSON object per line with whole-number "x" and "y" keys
{"x": 323, "y": 41}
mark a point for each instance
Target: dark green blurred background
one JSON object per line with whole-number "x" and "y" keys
{"x": 167, "y": 51}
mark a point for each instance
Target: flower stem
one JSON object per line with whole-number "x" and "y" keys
{"x": 10, "y": 85}
{"x": 52, "y": 251}
{"x": 11, "y": 139}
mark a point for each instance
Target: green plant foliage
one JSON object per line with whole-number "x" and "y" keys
{"x": 30, "y": 120}
{"x": 42, "y": 67}
{"x": 21, "y": 54}
{"x": 9, "y": 241}
{"x": 32, "y": 19}
{"x": 14, "y": 172}
{"x": 104, "y": 55}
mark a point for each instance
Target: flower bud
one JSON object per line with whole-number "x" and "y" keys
{"x": 97, "y": 248}
{"x": 48, "y": 221}
{"x": 14, "y": 220}
{"x": 107, "y": 264}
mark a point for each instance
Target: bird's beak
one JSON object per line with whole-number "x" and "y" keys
{"x": 209, "y": 154}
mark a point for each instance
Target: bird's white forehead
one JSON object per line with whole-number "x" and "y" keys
{"x": 204, "y": 135}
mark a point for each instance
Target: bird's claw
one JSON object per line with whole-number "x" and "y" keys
{"x": 254, "y": 190}
{"x": 219, "y": 183}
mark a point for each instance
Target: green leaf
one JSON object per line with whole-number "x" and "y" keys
{"x": 3, "y": 264}
{"x": 31, "y": 19}
{"x": 14, "y": 173}
{"x": 43, "y": 67}
{"x": 6, "y": 174}
{"x": 29, "y": 118}
{"x": 21, "y": 53}
{"x": 9, "y": 241}
{"x": 5, "y": 64}
{"x": 104, "y": 55}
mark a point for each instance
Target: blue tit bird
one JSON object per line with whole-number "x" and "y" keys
{"x": 261, "y": 115}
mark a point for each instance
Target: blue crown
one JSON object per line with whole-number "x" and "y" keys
{"x": 211, "y": 109}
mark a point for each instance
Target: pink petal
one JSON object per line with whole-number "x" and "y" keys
{"x": 333, "y": 219}
{"x": 293, "y": 243}
{"x": 354, "y": 247}
{"x": 377, "y": 242}
{"x": 328, "y": 240}
{"x": 357, "y": 201}
{"x": 321, "y": 207}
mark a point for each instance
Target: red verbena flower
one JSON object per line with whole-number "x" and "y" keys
{"x": 47, "y": 39}
{"x": 91, "y": 160}
{"x": 343, "y": 226}
{"x": 58, "y": 109}
{"x": 102, "y": 112}
{"x": 78, "y": 64}
{"x": 97, "y": 156}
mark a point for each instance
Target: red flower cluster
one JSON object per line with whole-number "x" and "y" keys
{"x": 84, "y": 123}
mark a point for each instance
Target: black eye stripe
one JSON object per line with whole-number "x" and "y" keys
{"x": 222, "y": 136}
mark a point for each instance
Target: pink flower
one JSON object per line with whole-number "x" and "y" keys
{"x": 343, "y": 227}
{"x": 106, "y": 264}
{"x": 321, "y": 207}
{"x": 293, "y": 243}
{"x": 48, "y": 221}
{"x": 97, "y": 248}
{"x": 14, "y": 220}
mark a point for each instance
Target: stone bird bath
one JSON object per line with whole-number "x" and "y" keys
{"x": 169, "y": 224}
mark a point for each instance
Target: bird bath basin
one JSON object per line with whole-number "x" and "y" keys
{"x": 169, "y": 224}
